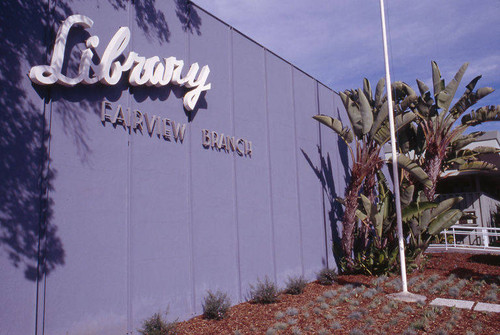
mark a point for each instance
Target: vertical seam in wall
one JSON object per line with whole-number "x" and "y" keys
{"x": 297, "y": 183}
{"x": 235, "y": 184}
{"x": 128, "y": 200}
{"x": 44, "y": 192}
{"x": 47, "y": 197}
{"x": 268, "y": 131}
{"x": 320, "y": 151}
{"x": 40, "y": 227}
{"x": 190, "y": 203}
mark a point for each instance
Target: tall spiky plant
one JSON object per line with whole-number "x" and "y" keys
{"x": 370, "y": 131}
{"x": 437, "y": 139}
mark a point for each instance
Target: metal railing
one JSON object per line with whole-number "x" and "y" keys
{"x": 468, "y": 238}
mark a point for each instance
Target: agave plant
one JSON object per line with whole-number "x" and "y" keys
{"x": 437, "y": 139}
{"x": 369, "y": 131}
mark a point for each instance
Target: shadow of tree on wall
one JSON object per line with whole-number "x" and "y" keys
{"x": 28, "y": 234}
{"x": 325, "y": 174}
{"x": 188, "y": 16}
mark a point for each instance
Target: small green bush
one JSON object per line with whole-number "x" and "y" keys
{"x": 216, "y": 305}
{"x": 408, "y": 310}
{"x": 265, "y": 292}
{"x": 156, "y": 325}
{"x": 335, "y": 325}
{"x": 370, "y": 293}
{"x": 324, "y": 305}
{"x": 327, "y": 276}
{"x": 329, "y": 294}
{"x": 491, "y": 295}
{"x": 420, "y": 324}
{"x": 454, "y": 291}
{"x": 280, "y": 326}
{"x": 355, "y": 316}
{"x": 320, "y": 299}
{"x": 270, "y": 331}
{"x": 295, "y": 285}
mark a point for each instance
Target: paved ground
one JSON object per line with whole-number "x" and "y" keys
{"x": 439, "y": 249}
{"x": 466, "y": 304}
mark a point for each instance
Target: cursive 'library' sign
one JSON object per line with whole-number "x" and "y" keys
{"x": 151, "y": 71}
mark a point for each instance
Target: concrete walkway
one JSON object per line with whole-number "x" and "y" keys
{"x": 466, "y": 304}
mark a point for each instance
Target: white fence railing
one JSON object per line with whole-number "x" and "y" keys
{"x": 468, "y": 237}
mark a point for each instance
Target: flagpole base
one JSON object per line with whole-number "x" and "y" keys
{"x": 407, "y": 297}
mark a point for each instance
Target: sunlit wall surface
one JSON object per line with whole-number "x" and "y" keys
{"x": 102, "y": 225}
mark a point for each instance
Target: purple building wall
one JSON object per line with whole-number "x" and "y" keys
{"x": 101, "y": 226}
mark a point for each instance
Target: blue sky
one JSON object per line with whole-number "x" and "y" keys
{"x": 340, "y": 42}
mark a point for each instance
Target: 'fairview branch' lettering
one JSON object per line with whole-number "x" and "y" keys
{"x": 220, "y": 142}
{"x": 143, "y": 71}
{"x": 142, "y": 122}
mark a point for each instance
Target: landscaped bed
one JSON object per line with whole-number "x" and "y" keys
{"x": 358, "y": 304}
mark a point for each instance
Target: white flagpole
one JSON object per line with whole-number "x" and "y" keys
{"x": 394, "y": 154}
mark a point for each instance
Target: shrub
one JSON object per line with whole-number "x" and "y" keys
{"x": 335, "y": 325}
{"x": 369, "y": 293}
{"x": 216, "y": 305}
{"x": 433, "y": 278}
{"x": 279, "y": 315}
{"x": 292, "y": 311}
{"x": 454, "y": 291}
{"x": 327, "y": 276}
{"x": 156, "y": 325}
{"x": 329, "y": 294}
{"x": 379, "y": 280}
{"x": 320, "y": 299}
{"x": 280, "y": 326}
{"x": 395, "y": 284}
{"x": 295, "y": 285}
{"x": 355, "y": 316}
{"x": 420, "y": 324}
{"x": 265, "y": 292}
{"x": 438, "y": 287}
{"x": 491, "y": 295}
{"x": 414, "y": 280}
{"x": 407, "y": 309}
{"x": 270, "y": 331}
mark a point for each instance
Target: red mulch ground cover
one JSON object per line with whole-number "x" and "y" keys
{"x": 348, "y": 308}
